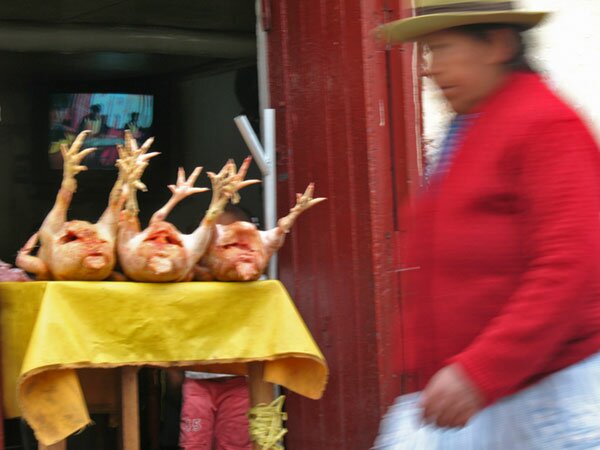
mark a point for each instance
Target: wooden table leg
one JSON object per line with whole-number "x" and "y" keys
{"x": 260, "y": 390}
{"x": 130, "y": 414}
{"x": 62, "y": 445}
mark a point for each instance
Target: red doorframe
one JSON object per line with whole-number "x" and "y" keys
{"x": 335, "y": 109}
{"x": 404, "y": 111}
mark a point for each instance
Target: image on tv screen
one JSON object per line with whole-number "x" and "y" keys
{"x": 106, "y": 116}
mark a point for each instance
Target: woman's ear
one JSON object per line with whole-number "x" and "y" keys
{"x": 503, "y": 46}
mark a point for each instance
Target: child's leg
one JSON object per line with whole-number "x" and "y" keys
{"x": 233, "y": 404}
{"x": 197, "y": 416}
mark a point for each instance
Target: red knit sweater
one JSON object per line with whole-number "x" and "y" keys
{"x": 508, "y": 246}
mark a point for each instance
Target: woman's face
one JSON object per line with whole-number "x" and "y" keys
{"x": 465, "y": 68}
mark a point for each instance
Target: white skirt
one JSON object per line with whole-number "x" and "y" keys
{"x": 562, "y": 411}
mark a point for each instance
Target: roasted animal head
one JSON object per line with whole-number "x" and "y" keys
{"x": 81, "y": 251}
{"x": 237, "y": 253}
{"x": 158, "y": 254}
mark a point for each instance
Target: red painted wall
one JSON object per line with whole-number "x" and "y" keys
{"x": 329, "y": 86}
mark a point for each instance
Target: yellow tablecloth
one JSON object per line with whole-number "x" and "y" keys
{"x": 50, "y": 328}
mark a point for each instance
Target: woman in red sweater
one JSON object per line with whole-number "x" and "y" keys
{"x": 502, "y": 317}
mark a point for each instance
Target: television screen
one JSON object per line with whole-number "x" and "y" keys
{"x": 106, "y": 116}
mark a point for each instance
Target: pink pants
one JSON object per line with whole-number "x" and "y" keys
{"x": 214, "y": 411}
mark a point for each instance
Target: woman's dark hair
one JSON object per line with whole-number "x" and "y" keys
{"x": 480, "y": 31}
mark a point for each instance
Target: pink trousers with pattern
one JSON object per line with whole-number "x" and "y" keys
{"x": 214, "y": 415}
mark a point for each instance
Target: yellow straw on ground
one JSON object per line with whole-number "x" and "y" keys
{"x": 266, "y": 424}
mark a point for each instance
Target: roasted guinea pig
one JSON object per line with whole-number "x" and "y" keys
{"x": 75, "y": 249}
{"x": 240, "y": 252}
{"x": 162, "y": 253}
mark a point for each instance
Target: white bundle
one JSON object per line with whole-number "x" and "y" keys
{"x": 559, "y": 412}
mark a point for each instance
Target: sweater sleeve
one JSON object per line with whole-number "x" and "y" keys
{"x": 561, "y": 233}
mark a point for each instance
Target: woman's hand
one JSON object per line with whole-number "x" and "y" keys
{"x": 450, "y": 399}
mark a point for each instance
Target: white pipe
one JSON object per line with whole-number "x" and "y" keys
{"x": 253, "y": 143}
{"x": 270, "y": 181}
{"x": 264, "y": 101}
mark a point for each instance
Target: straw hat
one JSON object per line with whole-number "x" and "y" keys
{"x": 435, "y": 15}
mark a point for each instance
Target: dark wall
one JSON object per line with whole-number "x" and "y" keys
{"x": 207, "y": 136}
{"x": 17, "y": 199}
